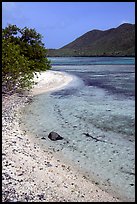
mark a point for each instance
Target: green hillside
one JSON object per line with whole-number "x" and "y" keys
{"x": 118, "y": 41}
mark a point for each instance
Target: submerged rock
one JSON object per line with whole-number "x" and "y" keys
{"x": 54, "y": 136}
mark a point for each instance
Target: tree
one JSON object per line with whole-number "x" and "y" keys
{"x": 23, "y": 55}
{"x": 15, "y": 68}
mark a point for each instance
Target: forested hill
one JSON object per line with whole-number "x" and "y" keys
{"x": 118, "y": 41}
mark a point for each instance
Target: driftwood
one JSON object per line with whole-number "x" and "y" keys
{"x": 94, "y": 138}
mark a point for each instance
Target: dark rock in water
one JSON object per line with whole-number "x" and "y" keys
{"x": 54, "y": 136}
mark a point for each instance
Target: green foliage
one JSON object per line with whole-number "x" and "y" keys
{"x": 23, "y": 54}
{"x": 13, "y": 65}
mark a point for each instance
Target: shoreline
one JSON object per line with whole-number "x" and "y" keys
{"x": 32, "y": 173}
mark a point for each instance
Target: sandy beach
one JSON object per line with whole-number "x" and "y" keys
{"x": 50, "y": 81}
{"x": 34, "y": 174}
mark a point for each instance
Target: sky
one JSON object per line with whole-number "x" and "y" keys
{"x": 62, "y": 22}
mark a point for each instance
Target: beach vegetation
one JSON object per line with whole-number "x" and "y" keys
{"x": 23, "y": 56}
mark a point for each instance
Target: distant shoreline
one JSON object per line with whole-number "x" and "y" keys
{"x": 93, "y": 56}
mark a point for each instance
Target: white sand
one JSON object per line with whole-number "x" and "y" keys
{"x": 50, "y": 80}
{"x": 34, "y": 174}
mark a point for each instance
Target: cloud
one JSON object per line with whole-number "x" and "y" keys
{"x": 122, "y": 22}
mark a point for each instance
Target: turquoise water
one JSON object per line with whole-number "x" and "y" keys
{"x": 95, "y": 114}
{"x": 91, "y": 60}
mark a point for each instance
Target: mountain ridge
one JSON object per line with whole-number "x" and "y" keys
{"x": 118, "y": 41}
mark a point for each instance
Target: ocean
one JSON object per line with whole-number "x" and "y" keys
{"x": 95, "y": 114}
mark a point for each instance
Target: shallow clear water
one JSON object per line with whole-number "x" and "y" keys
{"x": 96, "y": 116}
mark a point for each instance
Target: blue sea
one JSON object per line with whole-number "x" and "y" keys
{"x": 95, "y": 114}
